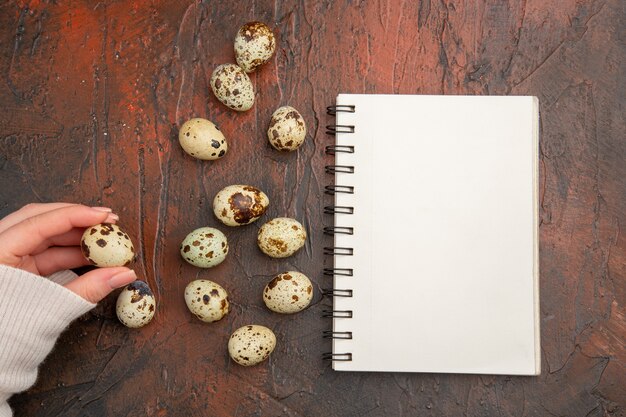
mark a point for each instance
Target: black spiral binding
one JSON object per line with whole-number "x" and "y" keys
{"x": 333, "y": 110}
{"x": 338, "y": 230}
{"x": 329, "y": 334}
{"x": 334, "y": 129}
{"x": 336, "y": 292}
{"x": 343, "y": 314}
{"x": 331, "y": 169}
{"x": 333, "y": 230}
{"x": 331, "y": 272}
{"x": 338, "y": 251}
{"x": 333, "y": 149}
{"x": 334, "y": 189}
{"x": 337, "y": 357}
{"x": 338, "y": 210}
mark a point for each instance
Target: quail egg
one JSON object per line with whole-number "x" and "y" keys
{"x": 135, "y": 305}
{"x": 232, "y": 86}
{"x": 287, "y": 129}
{"x": 281, "y": 237}
{"x": 252, "y": 344}
{"x": 207, "y": 300}
{"x": 254, "y": 45}
{"x": 201, "y": 139}
{"x": 204, "y": 247}
{"x": 106, "y": 245}
{"x": 237, "y": 205}
{"x": 288, "y": 293}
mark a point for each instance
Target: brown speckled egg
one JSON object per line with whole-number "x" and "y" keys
{"x": 207, "y": 300}
{"x": 204, "y": 247}
{"x": 254, "y": 45}
{"x": 201, "y": 139}
{"x": 252, "y": 344}
{"x": 287, "y": 129}
{"x": 135, "y": 305}
{"x": 281, "y": 237}
{"x": 237, "y": 205}
{"x": 106, "y": 245}
{"x": 232, "y": 86}
{"x": 288, "y": 293}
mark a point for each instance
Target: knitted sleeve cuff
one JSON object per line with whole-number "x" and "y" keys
{"x": 62, "y": 277}
{"x": 33, "y": 313}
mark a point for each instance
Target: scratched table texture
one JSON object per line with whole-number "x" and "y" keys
{"x": 91, "y": 98}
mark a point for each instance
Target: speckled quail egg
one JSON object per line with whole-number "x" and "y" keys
{"x": 204, "y": 247}
{"x": 237, "y": 205}
{"x": 135, "y": 305}
{"x": 254, "y": 45}
{"x": 288, "y": 293}
{"x": 252, "y": 344}
{"x": 281, "y": 237}
{"x": 287, "y": 129}
{"x": 232, "y": 86}
{"x": 201, "y": 139}
{"x": 207, "y": 300}
{"x": 106, "y": 245}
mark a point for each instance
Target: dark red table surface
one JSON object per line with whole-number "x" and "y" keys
{"x": 91, "y": 98}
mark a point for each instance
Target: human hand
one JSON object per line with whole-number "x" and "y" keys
{"x": 45, "y": 238}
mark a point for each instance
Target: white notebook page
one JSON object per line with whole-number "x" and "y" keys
{"x": 445, "y": 264}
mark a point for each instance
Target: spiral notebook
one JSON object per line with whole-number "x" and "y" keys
{"x": 435, "y": 256}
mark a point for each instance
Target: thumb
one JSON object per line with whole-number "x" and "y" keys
{"x": 97, "y": 284}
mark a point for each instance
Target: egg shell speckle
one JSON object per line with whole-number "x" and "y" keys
{"x": 106, "y": 245}
{"x": 288, "y": 293}
{"x": 287, "y": 129}
{"x": 207, "y": 300}
{"x": 201, "y": 139}
{"x": 232, "y": 86}
{"x": 205, "y": 247}
{"x": 238, "y": 205}
{"x": 135, "y": 305}
{"x": 281, "y": 237}
{"x": 254, "y": 45}
{"x": 251, "y": 344}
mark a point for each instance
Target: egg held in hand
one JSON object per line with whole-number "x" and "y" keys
{"x": 107, "y": 245}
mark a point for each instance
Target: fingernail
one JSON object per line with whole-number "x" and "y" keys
{"x": 104, "y": 209}
{"x": 121, "y": 279}
{"x": 111, "y": 218}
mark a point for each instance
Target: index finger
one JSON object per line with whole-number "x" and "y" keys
{"x": 24, "y": 237}
{"x": 29, "y": 210}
